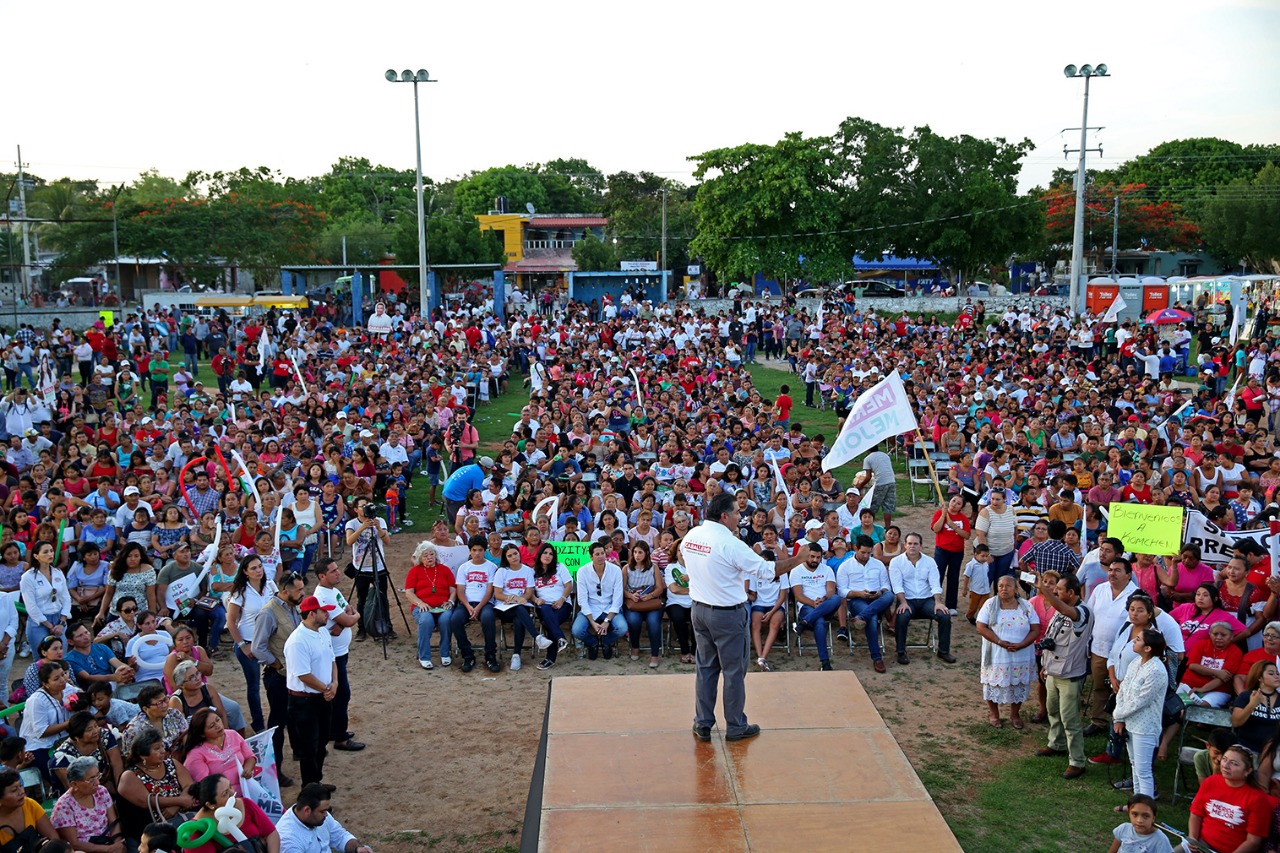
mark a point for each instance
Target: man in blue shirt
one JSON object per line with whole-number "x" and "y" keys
{"x": 463, "y": 479}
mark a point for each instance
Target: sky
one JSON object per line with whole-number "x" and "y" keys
{"x": 107, "y": 90}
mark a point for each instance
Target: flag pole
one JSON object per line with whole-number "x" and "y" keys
{"x": 933, "y": 473}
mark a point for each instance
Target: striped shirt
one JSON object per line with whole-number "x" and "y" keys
{"x": 999, "y": 530}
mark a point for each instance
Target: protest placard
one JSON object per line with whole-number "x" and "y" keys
{"x": 1146, "y": 529}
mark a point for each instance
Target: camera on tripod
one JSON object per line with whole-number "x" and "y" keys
{"x": 369, "y": 511}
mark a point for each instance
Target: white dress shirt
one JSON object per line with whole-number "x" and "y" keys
{"x": 1109, "y": 613}
{"x": 718, "y": 562}
{"x": 854, "y": 576}
{"x": 297, "y": 837}
{"x": 914, "y": 580}
{"x": 42, "y": 596}
{"x": 599, "y": 594}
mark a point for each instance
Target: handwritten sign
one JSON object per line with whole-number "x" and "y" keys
{"x": 1146, "y": 529}
{"x": 573, "y": 555}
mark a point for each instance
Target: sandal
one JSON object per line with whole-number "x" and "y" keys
{"x": 635, "y": 656}
{"x": 995, "y": 722}
{"x": 653, "y": 663}
{"x": 1040, "y": 719}
{"x": 1017, "y": 722}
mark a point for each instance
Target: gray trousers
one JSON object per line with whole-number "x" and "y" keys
{"x": 723, "y": 640}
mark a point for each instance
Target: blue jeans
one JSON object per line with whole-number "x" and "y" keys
{"x": 652, "y": 618}
{"x": 751, "y": 352}
{"x": 304, "y": 562}
{"x": 26, "y": 370}
{"x": 522, "y": 617}
{"x": 253, "y": 688}
{"x": 487, "y": 624}
{"x": 552, "y": 619}
{"x": 428, "y": 622}
{"x": 36, "y": 631}
{"x": 209, "y": 625}
{"x": 589, "y": 638}
{"x": 816, "y": 618}
{"x": 870, "y": 610}
{"x": 999, "y": 567}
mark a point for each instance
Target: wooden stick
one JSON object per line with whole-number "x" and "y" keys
{"x": 927, "y": 458}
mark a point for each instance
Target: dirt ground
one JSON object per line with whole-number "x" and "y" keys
{"x": 449, "y": 756}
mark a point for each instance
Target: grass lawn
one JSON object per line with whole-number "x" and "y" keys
{"x": 1022, "y": 804}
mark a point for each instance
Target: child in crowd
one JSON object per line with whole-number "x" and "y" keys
{"x": 1139, "y": 834}
{"x": 976, "y": 583}
{"x": 1243, "y": 506}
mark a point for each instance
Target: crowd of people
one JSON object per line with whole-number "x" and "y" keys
{"x": 158, "y": 527}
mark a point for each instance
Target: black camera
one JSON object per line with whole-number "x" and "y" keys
{"x": 370, "y": 511}
{"x": 1048, "y": 644}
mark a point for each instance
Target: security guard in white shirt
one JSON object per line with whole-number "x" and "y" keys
{"x": 718, "y": 562}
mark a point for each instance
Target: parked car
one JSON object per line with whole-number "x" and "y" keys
{"x": 870, "y": 288}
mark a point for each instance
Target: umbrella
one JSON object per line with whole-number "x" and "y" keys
{"x": 1167, "y": 315}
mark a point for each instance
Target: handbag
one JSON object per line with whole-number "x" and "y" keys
{"x": 1116, "y": 745}
{"x": 27, "y": 841}
{"x": 208, "y": 603}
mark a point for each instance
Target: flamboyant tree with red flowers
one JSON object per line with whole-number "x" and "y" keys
{"x": 1145, "y": 222}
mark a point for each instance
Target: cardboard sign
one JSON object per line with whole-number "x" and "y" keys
{"x": 108, "y": 318}
{"x": 1146, "y": 529}
{"x": 574, "y": 555}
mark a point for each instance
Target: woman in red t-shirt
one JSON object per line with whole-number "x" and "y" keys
{"x": 951, "y": 528}
{"x": 1137, "y": 491}
{"x": 431, "y": 590}
{"x": 1230, "y": 809}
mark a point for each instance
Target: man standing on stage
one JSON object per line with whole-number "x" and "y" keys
{"x": 718, "y": 562}
{"x": 312, "y": 677}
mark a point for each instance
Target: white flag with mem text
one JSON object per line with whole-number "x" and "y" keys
{"x": 881, "y": 412}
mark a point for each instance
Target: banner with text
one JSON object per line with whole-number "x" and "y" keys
{"x": 264, "y": 787}
{"x": 1146, "y": 529}
{"x": 573, "y": 554}
{"x": 1216, "y": 544}
{"x": 883, "y": 411}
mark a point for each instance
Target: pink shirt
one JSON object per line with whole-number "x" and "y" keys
{"x": 1194, "y": 626}
{"x": 205, "y": 759}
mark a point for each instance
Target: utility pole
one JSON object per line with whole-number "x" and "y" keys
{"x": 1077, "y": 242}
{"x": 663, "y": 266}
{"x": 26, "y": 228}
{"x": 1115, "y": 236}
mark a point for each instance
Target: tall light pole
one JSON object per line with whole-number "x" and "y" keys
{"x": 420, "y": 76}
{"x": 1077, "y": 242}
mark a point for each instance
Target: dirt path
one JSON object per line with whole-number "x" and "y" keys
{"x": 450, "y": 755}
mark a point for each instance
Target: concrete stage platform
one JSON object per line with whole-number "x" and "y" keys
{"x": 619, "y": 769}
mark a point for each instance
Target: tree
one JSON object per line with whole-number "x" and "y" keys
{"x": 450, "y": 240}
{"x": 1242, "y": 222}
{"x": 1186, "y": 170}
{"x": 592, "y": 254}
{"x": 770, "y": 208}
{"x": 962, "y": 194}
{"x": 1144, "y": 223}
{"x": 475, "y": 194}
{"x": 633, "y": 204}
{"x": 355, "y": 190}
{"x": 572, "y": 185}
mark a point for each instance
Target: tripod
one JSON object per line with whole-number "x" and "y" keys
{"x": 379, "y": 609}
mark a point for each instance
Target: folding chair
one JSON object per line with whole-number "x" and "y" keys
{"x": 930, "y": 642}
{"x": 1208, "y": 718}
{"x": 793, "y": 616}
{"x": 919, "y": 474}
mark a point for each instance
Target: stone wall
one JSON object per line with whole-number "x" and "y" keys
{"x": 912, "y": 304}
{"x": 77, "y": 319}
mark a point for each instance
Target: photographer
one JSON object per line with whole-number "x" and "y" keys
{"x": 1065, "y": 652}
{"x": 461, "y": 439}
{"x": 364, "y": 550}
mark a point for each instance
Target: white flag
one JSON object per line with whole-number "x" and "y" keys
{"x": 881, "y": 412}
{"x": 782, "y": 483}
{"x": 1113, "y": 313}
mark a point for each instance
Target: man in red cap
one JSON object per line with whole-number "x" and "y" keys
{"x": 312, "y": 679}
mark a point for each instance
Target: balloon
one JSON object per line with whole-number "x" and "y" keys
{"x": 229, "y": 819}
{"x": 194, "y": 833}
